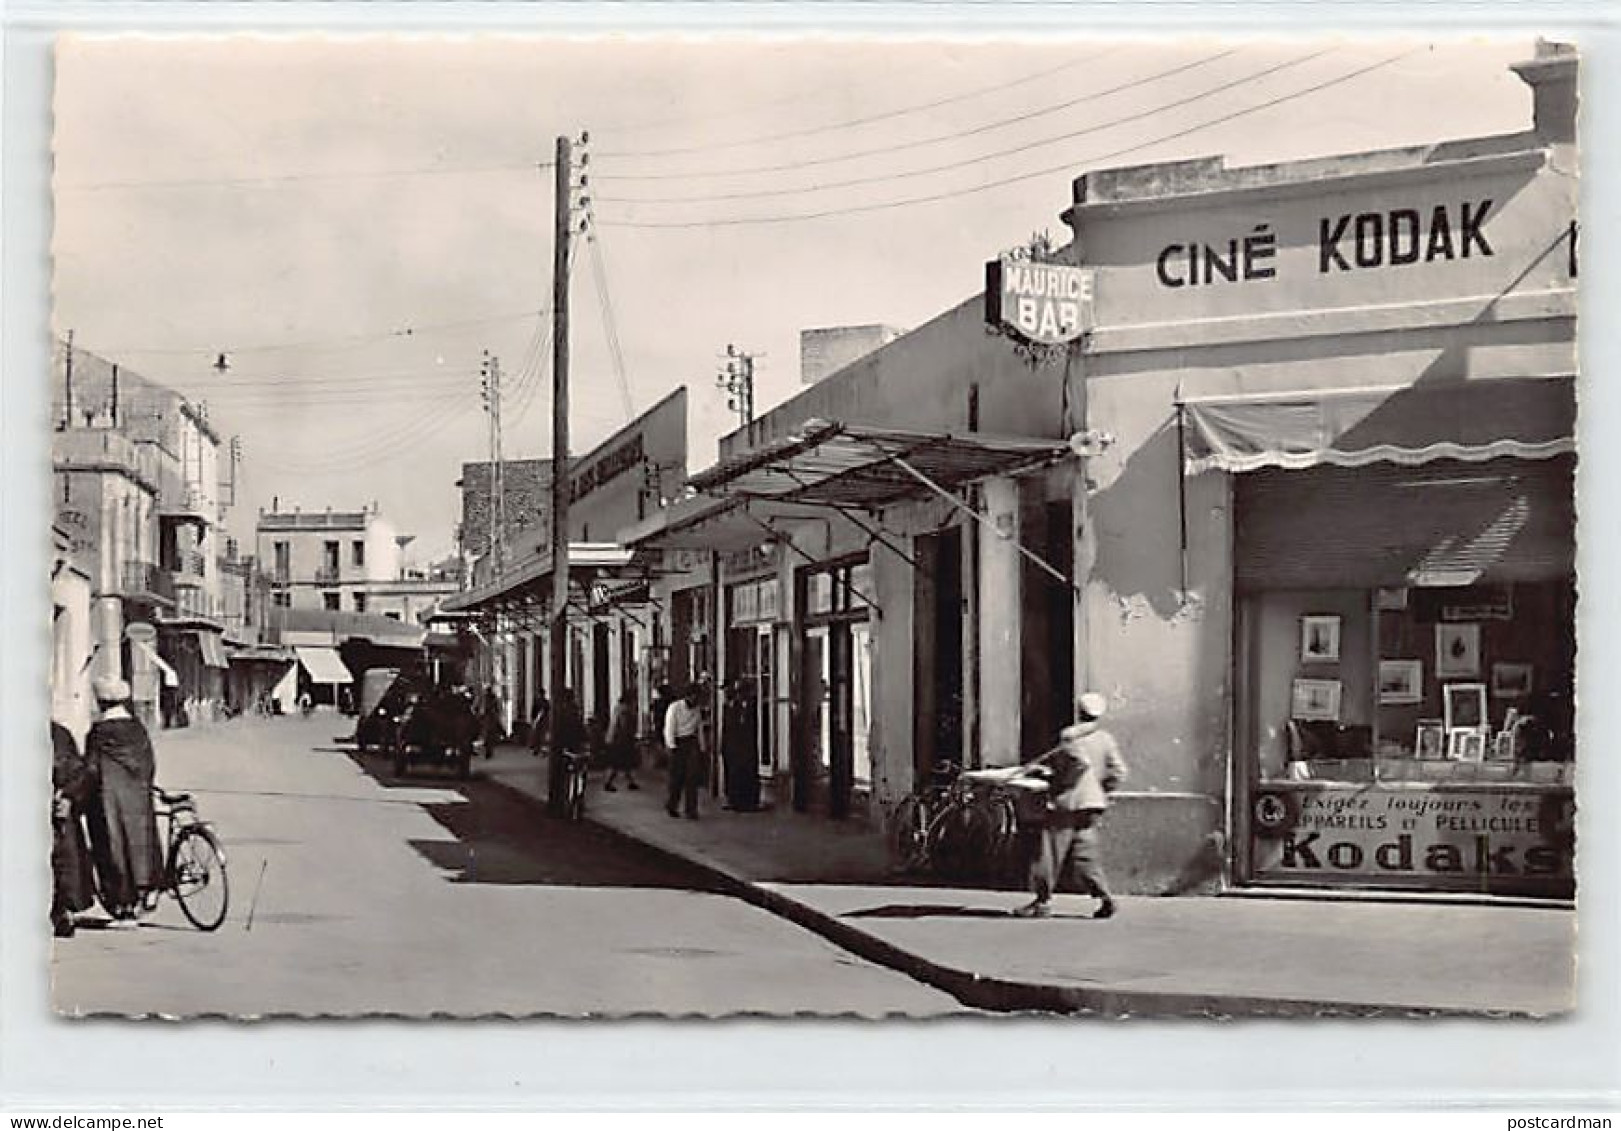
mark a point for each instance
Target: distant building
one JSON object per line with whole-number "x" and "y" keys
{"x": 825, "y": 351}
{"x": 348, "y": 561}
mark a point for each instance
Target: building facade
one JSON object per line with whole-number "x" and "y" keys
{"x": 139, "y": 492}
{"x": 619, "y": 627}
{"x": 346, "y": 561}
{"x": 1299, "y": 503}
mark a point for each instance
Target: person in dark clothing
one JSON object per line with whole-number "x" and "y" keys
{"x": 123, "y": 826}
{"x": 490, "y": 717}
{"x": 738, "y": 753}
{"x": 568, "y": 737}
{"x": 621, "y": 745}
{"x": 73, "y": 789}
{"x": 538, "y": 724}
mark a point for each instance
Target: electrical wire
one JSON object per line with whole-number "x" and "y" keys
{"x": 981, "y": 158}
{"x": 408, "y": 331}
{"x": 304, "y": 178}
{"x": 862, "y": 121}
{"x": 937, "y": 139}
{"x": 616, "y": 352}
{"x": 986, "y": 186}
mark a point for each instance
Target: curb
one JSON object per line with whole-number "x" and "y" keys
{"x": 1002, "y": 995}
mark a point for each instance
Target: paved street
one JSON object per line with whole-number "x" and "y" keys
{"x": 436, "y": 896}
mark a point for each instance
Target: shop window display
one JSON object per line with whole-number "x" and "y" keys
{"x": 1465, "y": 684}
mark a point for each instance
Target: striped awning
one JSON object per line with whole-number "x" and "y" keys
{"x": 1473, "y": 421}
{"x": 324, "y": 665}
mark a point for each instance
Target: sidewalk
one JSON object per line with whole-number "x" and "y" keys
{"x": 1177, "y": 956}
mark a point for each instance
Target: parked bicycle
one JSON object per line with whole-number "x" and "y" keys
{"x": 193, "y": 861}
{"x": 576, "y": 766}
{"x": 959, "y": 825}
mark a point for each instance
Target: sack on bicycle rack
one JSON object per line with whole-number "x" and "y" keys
{"x": 1029, "y": 800}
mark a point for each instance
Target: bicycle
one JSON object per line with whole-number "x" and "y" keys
{"x": 964, "y": 828}
{"x": 193, "y": 861}
{"x": 576, "y": 766}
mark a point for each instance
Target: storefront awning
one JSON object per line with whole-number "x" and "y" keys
{"x": 597, "y": 557}
{"x": 1474, "y": 421}
{"x": 724, "y": 525}
{"x": 829, "y": 463}
{"x": 213, "y": 651}
{"x": 171, "y": 678}
{"x": 324, "y": 665}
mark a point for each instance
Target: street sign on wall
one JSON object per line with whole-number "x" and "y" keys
{"x": 1045, "y": 303}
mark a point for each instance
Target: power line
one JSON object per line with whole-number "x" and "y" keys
{"x": 951, "y": 135}
{"x": 408, "y": 331}
{"x": 610, "y": 326}
{"x": 304, "y": 178}
{"x": 862, "y": 121}
{"x": 1068, "y": 166}
{"x": 978, "y": 159}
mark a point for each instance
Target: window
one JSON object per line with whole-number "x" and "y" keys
{"x": 360, "y": 599}
{"x": 281, "y": 599}
{"x": 331, "y": 600}
{"x": 284, "y": 559}
{"x": 392, "y": 615}
{"x": 357, "y": 554}
{"x": 329, "y": 559}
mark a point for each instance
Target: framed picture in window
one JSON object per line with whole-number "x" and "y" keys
{"x": 1466, "y": 745}
{"x": 1319, "y": 640}
{"x": 1316, "y": 700}
{"x": 1464, "y": 705}
{"x": 1457, "y": 651}
{"x": 1430, "y": 740}
{"x": 1511, "y": 681}
{"x": 1401, "y": 682}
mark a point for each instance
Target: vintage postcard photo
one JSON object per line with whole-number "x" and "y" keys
{"x": 700, "y": 527}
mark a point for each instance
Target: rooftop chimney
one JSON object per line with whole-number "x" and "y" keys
{"x": 1551, "y": 75}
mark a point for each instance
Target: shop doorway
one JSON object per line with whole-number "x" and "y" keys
{"x": 1047, "y": 675}
{"x": 833, "y": 759}
{"x": 937, "y": 656}
{"x": 601, "y": 700}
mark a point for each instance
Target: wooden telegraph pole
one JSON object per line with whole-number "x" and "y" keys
{"x": 558, "y": 660}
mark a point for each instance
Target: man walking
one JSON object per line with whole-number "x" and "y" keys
{"x": 681, "y": 726}
{"x": 1082, "y": 772}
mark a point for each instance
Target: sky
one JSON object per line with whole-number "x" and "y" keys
{"x": 354, "y": 222}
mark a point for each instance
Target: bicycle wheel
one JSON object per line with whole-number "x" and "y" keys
{"x": 197, "y": 877}
{"x": 909, "y": 832}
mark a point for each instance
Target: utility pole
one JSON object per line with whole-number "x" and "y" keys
{"x": 562, "y": 233}
{"x": 491, "y": 390}
{"x": 736, "y": 377}
{"x": 68, "y": 382}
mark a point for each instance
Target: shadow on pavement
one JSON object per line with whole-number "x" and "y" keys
{"x": 500, "y": 838}
{"x": 934, "y": 911}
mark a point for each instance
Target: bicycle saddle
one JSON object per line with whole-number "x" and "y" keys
{"x": 171, "y": 798}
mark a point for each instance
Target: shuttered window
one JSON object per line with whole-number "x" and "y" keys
{"x": 1445, "y": 523}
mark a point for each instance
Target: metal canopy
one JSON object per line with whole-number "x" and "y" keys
{"x": 828, "y": 463}
{"x": 530, "y": 582}
{"x": 721, "y": 524}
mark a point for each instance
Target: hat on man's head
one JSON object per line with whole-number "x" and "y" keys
{"x": 1092, "y": 706}
{"x": 110, "y": 689}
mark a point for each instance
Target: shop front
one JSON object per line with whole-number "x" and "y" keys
{"x": 1333, "y": 593}
{"x": 1404, "y": 636}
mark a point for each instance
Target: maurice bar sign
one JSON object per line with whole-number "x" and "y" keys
{"x": 1041, "y": 302}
